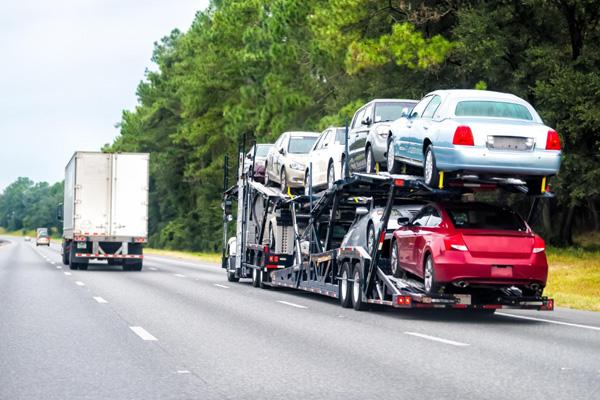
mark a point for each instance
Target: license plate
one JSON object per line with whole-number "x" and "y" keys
{"x": 502, "y": 272}
{"x": 463, "y": 299}
{"x": 510, "y": 143}
{"x": 81, "y": 245}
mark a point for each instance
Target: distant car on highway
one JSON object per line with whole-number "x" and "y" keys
{"x": 370, "y": 130}
{"x": 470, "y": 245}
{"x": 27, "y": 239}
{"x": 286, "y": 160}
{"x": 475, "y": 132}
{"x": 327, "y": 159}
{"x": 42, "y": 238}
{"x": 259, "y": 160}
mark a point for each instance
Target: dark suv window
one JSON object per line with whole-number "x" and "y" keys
{"x": 483, "y": 216}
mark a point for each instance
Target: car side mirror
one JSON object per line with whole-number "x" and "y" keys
{"x": 60, "y": 213}
{"x": 405, "y": 113}
{"x": 367, "y": 121}
{"x": 413, "y": 115}
{"x": 360, "y": 211}
{"x": 249, "y": 156}
{"x": 403, "y": 220}
{"x": 282, "y": 151}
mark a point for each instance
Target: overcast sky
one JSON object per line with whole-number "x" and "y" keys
{"x": 67, "y": 70}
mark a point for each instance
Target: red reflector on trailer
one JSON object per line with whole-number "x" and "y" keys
{"x": 271, "y": 266}
{"x": 273, "y": 258}
{"x": 399, "y": 182}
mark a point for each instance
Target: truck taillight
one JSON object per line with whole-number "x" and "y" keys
{"x": 273, "y": 259}
{"x": 552, "y": 140}
{"x": 463, "y": 136}
{"x": 455, "y": 242}
{"x": 139, "y": 240}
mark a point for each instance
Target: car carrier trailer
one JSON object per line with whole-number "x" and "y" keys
{"x": 294, "y": 242}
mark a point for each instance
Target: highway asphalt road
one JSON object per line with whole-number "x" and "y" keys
{"x": 179, "y": 330}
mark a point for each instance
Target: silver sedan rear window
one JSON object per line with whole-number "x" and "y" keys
{"x": 496, "y": 109}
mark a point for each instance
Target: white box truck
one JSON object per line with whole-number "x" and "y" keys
{"x": 105, "y": 210}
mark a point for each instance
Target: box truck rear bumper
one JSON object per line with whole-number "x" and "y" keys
{"x": 100, "y": 255}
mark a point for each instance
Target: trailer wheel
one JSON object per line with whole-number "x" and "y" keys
{"x": 344, "y": 294}
{"x": 261, "y": 280}
{"x": 370, "y": 161}
{"x": 431, "y": 286}
{"x": 255, "y": 277}
{"x": 431, "y": 174}
{"x": 394, "y": 265}
{"x": 231, "y": 277}
{"x": 357, "y": 286}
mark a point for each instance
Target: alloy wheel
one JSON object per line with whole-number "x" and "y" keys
{"x": 428, "y": 276}
{"x": 428, "y": 167}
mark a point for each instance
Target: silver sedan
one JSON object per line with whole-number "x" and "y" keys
{"x": 483, "y": 133}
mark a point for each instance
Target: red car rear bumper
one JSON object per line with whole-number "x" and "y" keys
{"x": 454, "y": 266}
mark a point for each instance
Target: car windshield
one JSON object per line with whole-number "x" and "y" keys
{"x": 485, "y": 217}
{"x": 301, "y": 144}
{"x": 261, "y": 151}
{"x": 390, "y": 111}
{"x": 497, "y": 109}
{"x": 340, "y": 135}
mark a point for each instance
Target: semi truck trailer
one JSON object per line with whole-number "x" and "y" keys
{"x": 105, "y": 209}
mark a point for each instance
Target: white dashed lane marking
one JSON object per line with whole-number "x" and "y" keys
{"x": 100, "y": 300}
{"x": 221, "y": 286}
{"x": 79, "y": 283}
{"x": 550, "y": 321}
{"x": 287, "y": 303}
{"x": 142, "y": 333}
{"x": 436, "y": 339}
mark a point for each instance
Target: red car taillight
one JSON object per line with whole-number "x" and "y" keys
{"x": 553, "y": 140}
{"x": 538, "y": 245}
{"x": 463, "y": 136}
{"x": 455, "y": 242}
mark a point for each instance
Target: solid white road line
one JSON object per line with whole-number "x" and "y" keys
{"x": 550, "y": 321}
{"x": 67, "y": 273}
{"x": 183, "y": 371}
{"x": 221, "y": 286}
{"x": 79, "y": 283}
{"x": 100, "y": 300}
{"x": 179, "y": 275}
{"x": 436, "y": 339}
{"x": 141, "y": 332}
{"x": 287, "y": 303}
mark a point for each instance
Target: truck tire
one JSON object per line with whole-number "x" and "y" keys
{"x": 344, "y": 287}
{"x": 65, "y": 253}
{"x": 231, "y": 277}
{"x": 74, "y": 262}
{"x": 262, "y": 274}
{"x": 357, "y": 289}
{"x": 256, "y": 277}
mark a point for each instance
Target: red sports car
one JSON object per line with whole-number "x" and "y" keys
{"x": 455, "y": 246}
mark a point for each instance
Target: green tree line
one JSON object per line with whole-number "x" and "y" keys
{"x": 25, "y": 205}
{"x": 255, "y": 68}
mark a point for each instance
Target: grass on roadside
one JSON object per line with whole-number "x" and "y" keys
{"x": 574, "y": 277}
{"x": 190, "y": 255}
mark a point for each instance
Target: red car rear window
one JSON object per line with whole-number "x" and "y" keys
{"x": 485, "y": 217}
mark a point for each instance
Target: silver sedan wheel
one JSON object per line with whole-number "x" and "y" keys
{"x": 307, "y": 184}
{"x": 428, "y": 276}
{"x": 390, "y": 156}
{"x": 283, "y": 182}
{"x": 356, "y": 286}
{"x": 330, "y": 176}
{"x": 394, "y": 259}
{"x": 428, "y": 167}
{"x": 369, "y": 161}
